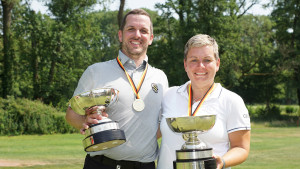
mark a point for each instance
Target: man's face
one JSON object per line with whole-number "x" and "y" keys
{"x": 136, "y": 36}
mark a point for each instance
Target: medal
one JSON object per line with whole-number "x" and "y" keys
{"x": 138, "y": 105}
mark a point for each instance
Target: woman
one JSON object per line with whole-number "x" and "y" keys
{"x": 230, "y": 136}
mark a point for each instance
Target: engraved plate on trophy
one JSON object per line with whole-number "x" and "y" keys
{"x": 106, "y": 133}
{"x": 193, "y": 154}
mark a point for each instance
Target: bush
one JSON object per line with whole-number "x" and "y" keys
{"x": 252, "y": 112}
{"x": 269, "y": 113}
{"x": 22, "y": 116}
{"x": 290, "y": 109}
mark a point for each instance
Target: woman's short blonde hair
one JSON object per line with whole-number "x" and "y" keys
{"x": 199, "y": 41}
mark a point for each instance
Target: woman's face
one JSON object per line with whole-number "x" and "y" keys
{"x": 201, "y": 65}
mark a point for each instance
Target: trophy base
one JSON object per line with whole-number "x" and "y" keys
{"x": 104, "y": 140}
{"x": 208, "y": 163}
{"x": 193, "y": 154}
{"x": 102, "y": 125}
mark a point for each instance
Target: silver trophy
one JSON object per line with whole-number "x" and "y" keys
{"x": 106, "y": 133}
{"x": 194, "y": 154}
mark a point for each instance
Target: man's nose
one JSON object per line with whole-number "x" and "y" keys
{"x": 137, "y": 33}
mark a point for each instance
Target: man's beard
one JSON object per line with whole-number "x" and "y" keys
{"x": 132, "y": 52}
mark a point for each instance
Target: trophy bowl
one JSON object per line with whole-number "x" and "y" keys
{"x": 191, "y": 123}
{"x": 95, "y": 97}
{"x": 106, "y": 133}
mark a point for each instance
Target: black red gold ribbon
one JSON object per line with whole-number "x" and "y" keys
{"x": 134, "y": 88}
{"x": 190, "y": 103}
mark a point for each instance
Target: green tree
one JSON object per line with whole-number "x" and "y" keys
{"x": 255, "y": 69}
{"x": 286, "y": 15}
{"x": 181, "y": 20}
{"x": 42, "y": 40}
{"x": 65, "y": 11}
{"x": 8, "y": 52}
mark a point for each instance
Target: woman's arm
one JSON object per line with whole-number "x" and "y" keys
{"x": 239, "y": 149}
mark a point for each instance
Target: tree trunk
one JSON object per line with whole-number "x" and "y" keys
{"x": 35, "y": 67}
{"x": 120, "y": 13}
{"x": 51, "y": 72}
{"x": 296, "y": 48}
{"x": 54, "y": 60}
{"x": 7, "y": 76}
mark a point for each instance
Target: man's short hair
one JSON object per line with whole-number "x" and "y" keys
{"x": 136, "y": 12}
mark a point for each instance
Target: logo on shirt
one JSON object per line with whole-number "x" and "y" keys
{"x": 154, "y": 87}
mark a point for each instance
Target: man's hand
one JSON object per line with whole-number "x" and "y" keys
{"x": 92, "y": 116}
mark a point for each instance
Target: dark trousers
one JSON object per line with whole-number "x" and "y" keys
{"x": 102, "y": 162}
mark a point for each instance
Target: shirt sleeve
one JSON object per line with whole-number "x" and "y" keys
{"x": 85, "y": 82}
{"x": 238, "y": 117}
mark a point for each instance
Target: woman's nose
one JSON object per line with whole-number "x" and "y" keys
{"x": 201, "y": 64}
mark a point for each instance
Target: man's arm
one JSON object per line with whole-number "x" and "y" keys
{"x": 158, "y": 133}
{"x": 75, "y": 119}
{"x": 82, "y": 122}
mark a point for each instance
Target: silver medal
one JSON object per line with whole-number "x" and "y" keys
{"x": 138, "y": 105}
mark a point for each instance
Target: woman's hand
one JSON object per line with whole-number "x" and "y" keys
{"x": 219, "y": 161}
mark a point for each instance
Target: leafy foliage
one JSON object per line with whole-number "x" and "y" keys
{"x": 23, "y": 116}
{"x": 259, "y": 60}
{"x": 286, "y": 16}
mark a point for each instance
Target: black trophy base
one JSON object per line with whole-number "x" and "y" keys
{"x": 208, "y": 163}
{"x": 104, "y": 140}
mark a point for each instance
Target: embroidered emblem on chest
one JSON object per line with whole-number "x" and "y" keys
{"x": 154, "y": 87}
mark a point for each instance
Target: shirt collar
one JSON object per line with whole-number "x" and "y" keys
{"x": 182, "y": 90}
{"x": 125, "y": 60}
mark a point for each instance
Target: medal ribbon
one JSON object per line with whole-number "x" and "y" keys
{"x": 190, "y": 103}
{"x": 135, "y": 89}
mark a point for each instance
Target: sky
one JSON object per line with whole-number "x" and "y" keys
{"x": 132, "y": 4}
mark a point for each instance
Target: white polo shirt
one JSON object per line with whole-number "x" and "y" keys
{"x": 231, "y": 115}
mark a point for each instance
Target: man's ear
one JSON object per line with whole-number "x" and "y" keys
{"x": 120, "y": 34}
{"x": 151, "y": 39}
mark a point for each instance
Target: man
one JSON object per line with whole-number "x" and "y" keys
{"x": 138, "y": 123}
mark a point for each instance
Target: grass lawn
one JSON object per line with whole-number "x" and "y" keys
{"x": 276, "y": 148}
{"x": 273, "y": 147}
{"x": 63, "y": 151}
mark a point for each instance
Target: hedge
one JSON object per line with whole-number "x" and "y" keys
{"x": 22, "y": 116}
